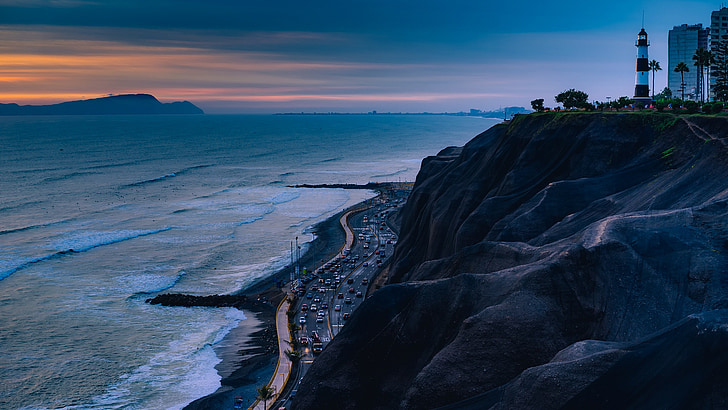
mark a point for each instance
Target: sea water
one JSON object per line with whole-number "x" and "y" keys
{"x": 99, "y": 213}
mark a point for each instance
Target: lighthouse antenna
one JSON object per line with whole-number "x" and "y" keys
{"x": 643, "y": 18}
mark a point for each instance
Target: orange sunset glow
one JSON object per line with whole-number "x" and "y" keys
{"x": 231, "y": 57}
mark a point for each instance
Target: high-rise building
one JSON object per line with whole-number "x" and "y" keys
{"x": 681, "y": 45}
{"x": 718, "y": 33}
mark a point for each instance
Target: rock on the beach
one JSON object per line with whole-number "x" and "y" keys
{"x": 562, "y": 261}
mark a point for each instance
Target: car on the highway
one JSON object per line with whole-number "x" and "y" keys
{"x": 347, "y": 300}
{"x": 314, "y": 307}
{"x": 358, "y": 294}
{"x": 346, "y": 315}
{"x": 303, "y": 340}
{"x": 309, "y": 296}
{"x": 350, "y": 281}
{"x": 352, "y": 290}
{"x": 304, "y": 307}
{"x": 302, "y": 320}
{"x": 317, "y": 299}
{"x": 364, "y": 281}
{"x": 366, "y": 264}
{"x": 324, "y": 305}
{"x": 320, "y": 319}
{"x": 337, "y": 308}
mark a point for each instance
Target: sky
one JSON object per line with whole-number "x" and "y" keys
{"x": 253, "y": 56}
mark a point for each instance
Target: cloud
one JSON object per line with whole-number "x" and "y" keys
{"x": 325, "y": 52}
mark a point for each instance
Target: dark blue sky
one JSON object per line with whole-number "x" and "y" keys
{"x": 253, "y": 56}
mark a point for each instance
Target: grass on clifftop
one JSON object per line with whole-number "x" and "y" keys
{"x": 657, "y": 121}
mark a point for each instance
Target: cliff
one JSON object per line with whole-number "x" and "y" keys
{"x": 117, "y": 104}
{"x": 573, "y": 260}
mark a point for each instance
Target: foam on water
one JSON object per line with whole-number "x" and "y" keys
{"x": 106, "y": 212}
{"x": 284, "y": 197}
{"x": 148, "y": 283}
{"x": 72, "y": 243}
{"x": 84, "y": 240}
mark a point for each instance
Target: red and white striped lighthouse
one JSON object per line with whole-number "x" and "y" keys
{"x": 642, "y": 77}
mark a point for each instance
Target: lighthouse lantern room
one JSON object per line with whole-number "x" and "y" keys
{"x": 642, "y": 78}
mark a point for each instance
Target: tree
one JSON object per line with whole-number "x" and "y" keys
{"x": 720, "y": 71}
{"x": 572, "y": 98}
{"x": 654, "y": 66}
{"x": 703, "y": 58}
{"x": 622, "y": 102}
{"x": 665, "y": 94}
{"x": 682, "y": 68}
{"x": 294, "y": 355}
{"x": 265, "y": 393}
{"x": 537, "y": 105}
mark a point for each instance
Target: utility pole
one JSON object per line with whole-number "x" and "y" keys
{"x": 298, "y": 258}
{"x": 293, "y": 273}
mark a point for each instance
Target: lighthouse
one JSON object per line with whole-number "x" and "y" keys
{"x": 642, "y": 77}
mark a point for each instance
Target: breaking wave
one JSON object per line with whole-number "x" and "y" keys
{"x": 87, "y": 243}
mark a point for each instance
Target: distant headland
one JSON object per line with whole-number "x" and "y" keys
{"x": 111, "y": 105}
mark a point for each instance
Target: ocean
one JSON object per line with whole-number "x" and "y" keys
{"x": 99, "y": 213}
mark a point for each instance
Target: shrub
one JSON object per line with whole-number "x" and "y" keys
{"x": 691, "y": 107}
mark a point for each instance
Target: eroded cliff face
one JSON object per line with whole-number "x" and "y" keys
{"x": 562, "y": 261}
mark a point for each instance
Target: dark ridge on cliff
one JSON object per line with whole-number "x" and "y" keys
{"x": 573, "y": 260}
{"x": 112, "y": 105}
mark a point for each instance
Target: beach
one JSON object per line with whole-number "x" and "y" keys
{"x": 249, "y": 352}
{"x": 106, "y": 212}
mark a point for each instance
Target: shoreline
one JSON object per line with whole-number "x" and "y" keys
{"x": 253, "y": 362}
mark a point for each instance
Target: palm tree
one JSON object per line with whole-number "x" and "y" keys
{"x": 682, "y": 68}
{"x": 265, "y": 393}
{"x": 698, "y": 58}
{"x": 703, "y": 58}
{"x": 654, "y": 66}
{"x": 294, "y": 355}
{"x": 709, "y": 63}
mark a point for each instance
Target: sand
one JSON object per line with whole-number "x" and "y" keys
{"x": 249, "y": 352}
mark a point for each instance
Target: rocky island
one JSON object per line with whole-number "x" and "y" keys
{"x": 562, "y": 261}
{"x": 111, "y": 105}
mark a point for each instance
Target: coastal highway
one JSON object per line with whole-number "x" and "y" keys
{"x": 341, "y": 285}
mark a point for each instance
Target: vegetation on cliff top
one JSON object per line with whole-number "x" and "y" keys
{"x": 564, "y": 260}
